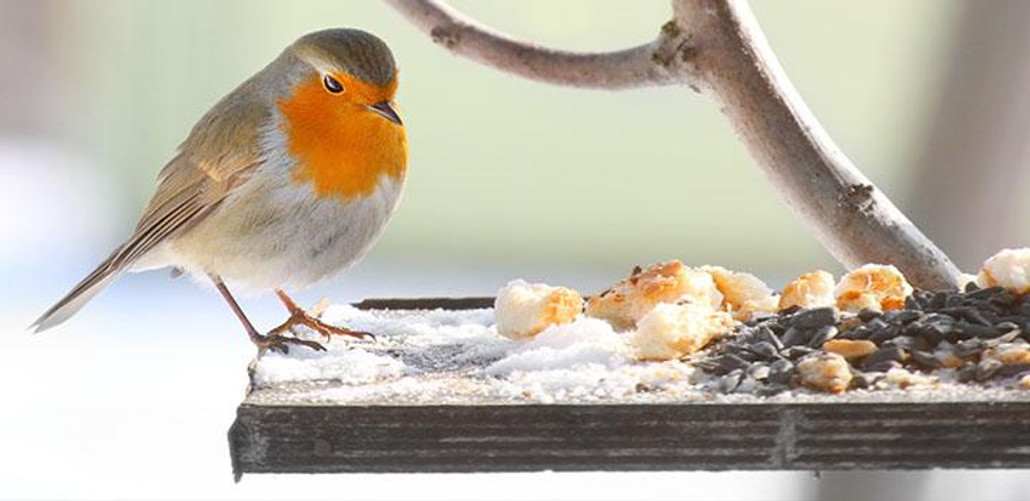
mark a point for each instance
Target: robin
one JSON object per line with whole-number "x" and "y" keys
{"x": 287, "y": 180}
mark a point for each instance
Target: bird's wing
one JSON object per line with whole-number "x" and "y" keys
{"x": 218, "y": 156}
{"x": 221, "y": 152}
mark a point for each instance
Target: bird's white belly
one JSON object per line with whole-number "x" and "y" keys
{"x": 275, "y": 233}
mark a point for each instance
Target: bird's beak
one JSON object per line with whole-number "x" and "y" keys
{"x": 384, "y": 109}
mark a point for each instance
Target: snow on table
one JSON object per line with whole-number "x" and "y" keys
{"x": 448, "y": 357}
{"x": 441, "y": 391}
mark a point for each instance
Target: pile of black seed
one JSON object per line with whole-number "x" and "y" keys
{"x": 760, "y": 357}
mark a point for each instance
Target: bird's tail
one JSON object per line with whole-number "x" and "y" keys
{"x": 89, "y": 287}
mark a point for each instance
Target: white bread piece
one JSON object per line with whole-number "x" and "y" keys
{"x": 827, "y": 372}
{"x": 523, "y": 309}
{"x": 629, "y": 300}
{"x": 811, "y": 290}
{"x": 1009, "y": 353}
{"x": 873, "y": 286}
{"x": 671, "y": 331}
{"x": 744, "y": 294}
{"x": 1009, "y": 268}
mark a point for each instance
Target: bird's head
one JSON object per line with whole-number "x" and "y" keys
{"x": 344, "y": 70}
{"x": 334, "y": 92}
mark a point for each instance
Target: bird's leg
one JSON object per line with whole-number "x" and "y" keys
{"x": 274, "y": 340}
{"x": 311, "y": 319}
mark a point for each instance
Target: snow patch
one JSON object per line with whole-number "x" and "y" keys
{"x": 457, "y": 357}
{"x": 585, "y": 342}
{"x": 351, "y": 366}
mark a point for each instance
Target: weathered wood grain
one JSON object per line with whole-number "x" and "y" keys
{"x": 337, "y": 439}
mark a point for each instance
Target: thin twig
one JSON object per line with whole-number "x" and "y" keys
{"x": 635, "y": 67}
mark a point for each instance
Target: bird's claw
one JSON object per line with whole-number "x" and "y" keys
{"x": 280, "y": 344}
{"x": 312, "y": 320}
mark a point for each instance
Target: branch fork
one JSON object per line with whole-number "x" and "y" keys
{"x": 717, "y": 47}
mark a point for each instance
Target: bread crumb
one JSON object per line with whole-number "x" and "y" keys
{"x": 629, "y": 300}
{"x": 1024, "y": 382}
{"x": 874, "y": 286}
{"x": 744, "y": 295}
{"x": 671, "y": 331}
{"x": 1009, "y": 353}
{"x": 850, "y": 349}
{"x": 811, "y": 290}
{"x": 1009, "y": 268}
{"x": 524, "y": 310}
{"x": 902, "y": 378}
{"x": 825, "y": 372}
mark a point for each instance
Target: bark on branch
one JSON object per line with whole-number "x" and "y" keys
{"x": 718, "y": 47}
{"x": 634, "y": 67}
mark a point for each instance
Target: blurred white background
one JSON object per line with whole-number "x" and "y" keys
{"x": 508, "y": 178}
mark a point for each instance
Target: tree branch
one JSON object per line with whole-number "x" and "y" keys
{"x": 852, "y": 218}
{"x": 717, "y": 46}
{"x": 635, "y": 67}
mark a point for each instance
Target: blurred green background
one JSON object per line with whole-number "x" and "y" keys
{"x": 506, "y": 171}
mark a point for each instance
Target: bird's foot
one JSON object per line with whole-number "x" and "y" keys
{"x": 277, "y": 342}
{"x": 311, "y": 319}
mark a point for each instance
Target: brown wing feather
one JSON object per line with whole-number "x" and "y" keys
{"x": 218, "y": 156}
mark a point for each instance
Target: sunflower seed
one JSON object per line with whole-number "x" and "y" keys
{"x": 904, "y": 316}
{"x": 925, "y": 360}
{"x": 822, "y": 335}
{"x": 912, "y": 304}
{"x": 796, "y": 352}
{"x": 730, "y": 362}
{"x": 985, "y": 293}
{"x": 730, "y": 381}
{"x": 794, "y": 336}
{"x": 764, "y": 349}
{"x": 885, "y": 334}
{"x": 781, "y": 372}
{"x": 987, "y": 368}
{"x": 766, "y": 334}
{"x": 884, "y": 366}
{"x": 969, "y": 347}
{"x": 968, "y": 330}
{"x": 814, "y": 318}
{"x": 865, "y": 314}
{"x": 759, "y": 372}
{"x": 966, "y": 373}
{"x": 885, "y": 354}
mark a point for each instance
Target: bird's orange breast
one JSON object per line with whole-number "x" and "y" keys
{"x": 340, "y": 147}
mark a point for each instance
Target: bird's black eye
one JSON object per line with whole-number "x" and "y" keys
{"x": 332, "y": 85}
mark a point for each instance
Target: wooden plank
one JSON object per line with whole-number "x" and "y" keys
{"x": 338, "y": 439}
{"x": 482, "y": 437}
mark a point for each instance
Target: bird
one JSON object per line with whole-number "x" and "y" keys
{"x": 286, "y": 181}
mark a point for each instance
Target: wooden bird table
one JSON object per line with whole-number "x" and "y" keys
{"x": 431, "y": 416}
